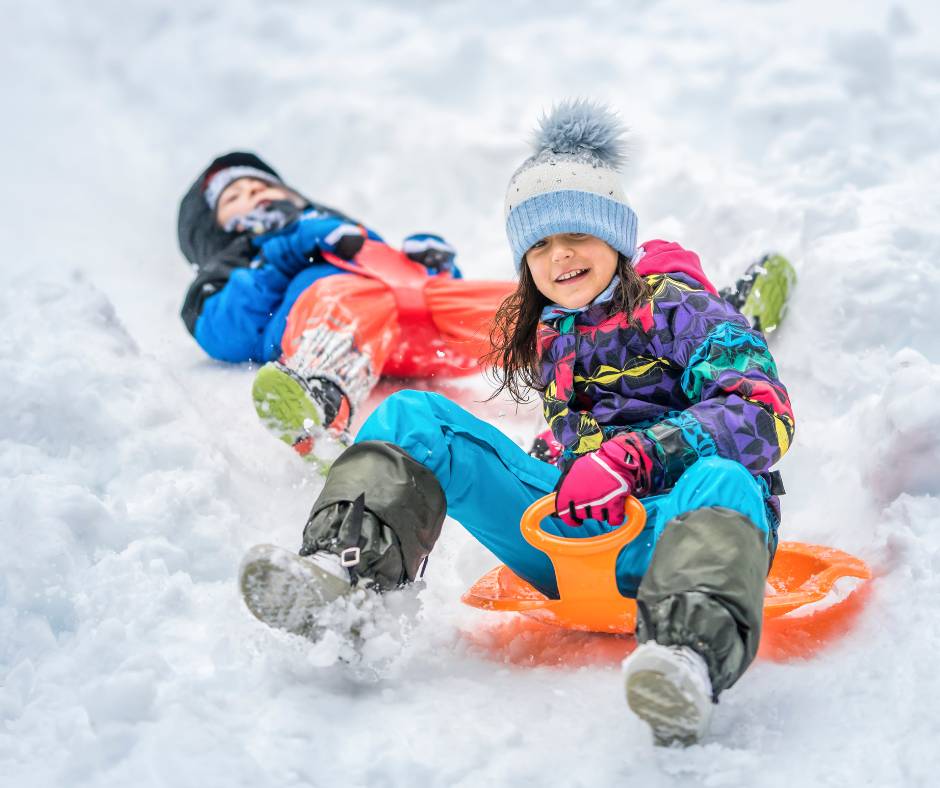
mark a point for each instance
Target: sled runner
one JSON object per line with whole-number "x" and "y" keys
{"x": 590, "y": 601}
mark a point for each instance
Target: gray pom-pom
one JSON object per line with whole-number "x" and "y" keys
{"x": 585, "y": 128}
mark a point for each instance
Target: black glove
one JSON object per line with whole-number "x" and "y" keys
{"x": 432, "y": 251}
{"x": 546, "y": 448}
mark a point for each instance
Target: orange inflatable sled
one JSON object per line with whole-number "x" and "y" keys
{"x": 591, "y": 603}
{"x": 408, "y": 323}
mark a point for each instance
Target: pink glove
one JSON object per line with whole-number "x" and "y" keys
{"x": 597, "y": 484}
{"x": 546, "y": 448}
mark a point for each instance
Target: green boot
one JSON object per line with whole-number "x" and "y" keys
{"x": 298, "y": 412}
{"x": 762, "y": 293}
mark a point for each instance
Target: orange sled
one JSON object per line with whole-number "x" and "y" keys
{"x": 590, "y": 601}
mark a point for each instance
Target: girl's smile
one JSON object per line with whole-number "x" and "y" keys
{"x": 571, "y": 269}
{"x": 570, "y": 275}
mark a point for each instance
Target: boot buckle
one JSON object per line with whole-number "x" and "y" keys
{"x": 350, "y": 556}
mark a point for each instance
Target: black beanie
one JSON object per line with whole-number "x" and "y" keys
{"x": 200, "y": 236}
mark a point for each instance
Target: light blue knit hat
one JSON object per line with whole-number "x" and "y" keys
{"x": 571, "y": 184}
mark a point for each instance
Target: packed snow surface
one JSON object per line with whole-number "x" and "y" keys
{"x": 134, "y": 473}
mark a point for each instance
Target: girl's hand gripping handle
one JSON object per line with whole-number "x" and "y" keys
{"x": 597, "y": 484}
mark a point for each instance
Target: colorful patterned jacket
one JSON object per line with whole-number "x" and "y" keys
{"x": 689, "y": 378}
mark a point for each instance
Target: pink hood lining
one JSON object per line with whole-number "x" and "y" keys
{"x": 667, "y": 257}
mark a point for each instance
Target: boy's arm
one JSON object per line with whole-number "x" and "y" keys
{"x": 231, "y": 301}
{"x": 213, "y": 276}
{"x": 230, "y": 304}
{"x": 233, "y": 319}
{"x": 298, "y": 245}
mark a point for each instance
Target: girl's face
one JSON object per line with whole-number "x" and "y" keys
{"x": 571, "y": 269}
{"x": 241, "y": 197}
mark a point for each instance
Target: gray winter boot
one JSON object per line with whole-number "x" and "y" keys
{"x": 701, "y": 602}
{"x": 373, "y": 525}
{"x": 285, "y": 590}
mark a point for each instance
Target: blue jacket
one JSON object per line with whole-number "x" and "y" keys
{"x": 238, "y": 307}
{"x": 246, "y": 319}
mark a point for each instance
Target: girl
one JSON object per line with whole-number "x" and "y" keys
{"x": 653, "y": 385}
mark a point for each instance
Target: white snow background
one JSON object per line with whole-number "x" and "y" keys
{"x": 134, "y": 473}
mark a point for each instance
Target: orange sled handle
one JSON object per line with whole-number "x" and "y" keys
{"x": 585, "y": 568}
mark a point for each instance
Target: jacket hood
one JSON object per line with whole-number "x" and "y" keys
{"x": 200, "y": 237}
{"x": 666, "y": 257}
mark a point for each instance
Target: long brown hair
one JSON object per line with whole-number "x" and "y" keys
{"x": 513, "y": 361}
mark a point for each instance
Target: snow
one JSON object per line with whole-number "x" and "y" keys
{"x": 134, "y": 473}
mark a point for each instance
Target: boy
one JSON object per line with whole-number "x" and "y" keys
{"x": 320, "y": 298}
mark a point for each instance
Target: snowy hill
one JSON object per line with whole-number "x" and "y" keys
{"x": 134, "y": 473}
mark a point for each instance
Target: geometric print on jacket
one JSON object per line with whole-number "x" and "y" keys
{"x": 688, "y": 377}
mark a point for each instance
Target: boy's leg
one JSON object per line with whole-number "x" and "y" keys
{"x": 338, "y": 335}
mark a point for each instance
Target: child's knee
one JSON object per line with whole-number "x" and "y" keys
{"x": 716, "y": 481}
{"x": 717, "y": 476}
{"x": 400, "y": 405}
{"x": 398, "y": 417}
{"x": 719, "y": 467}
{"x": 413, "y": 421}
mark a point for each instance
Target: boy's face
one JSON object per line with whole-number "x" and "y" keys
{"x": 241, "y": 197}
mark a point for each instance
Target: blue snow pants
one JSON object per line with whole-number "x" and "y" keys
{"x": 489, "y": 481}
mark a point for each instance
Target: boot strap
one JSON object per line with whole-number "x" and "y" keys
{"x": 352, "y": 553}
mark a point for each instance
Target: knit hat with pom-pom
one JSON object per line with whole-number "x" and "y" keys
{"x": 571, "y": 184}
